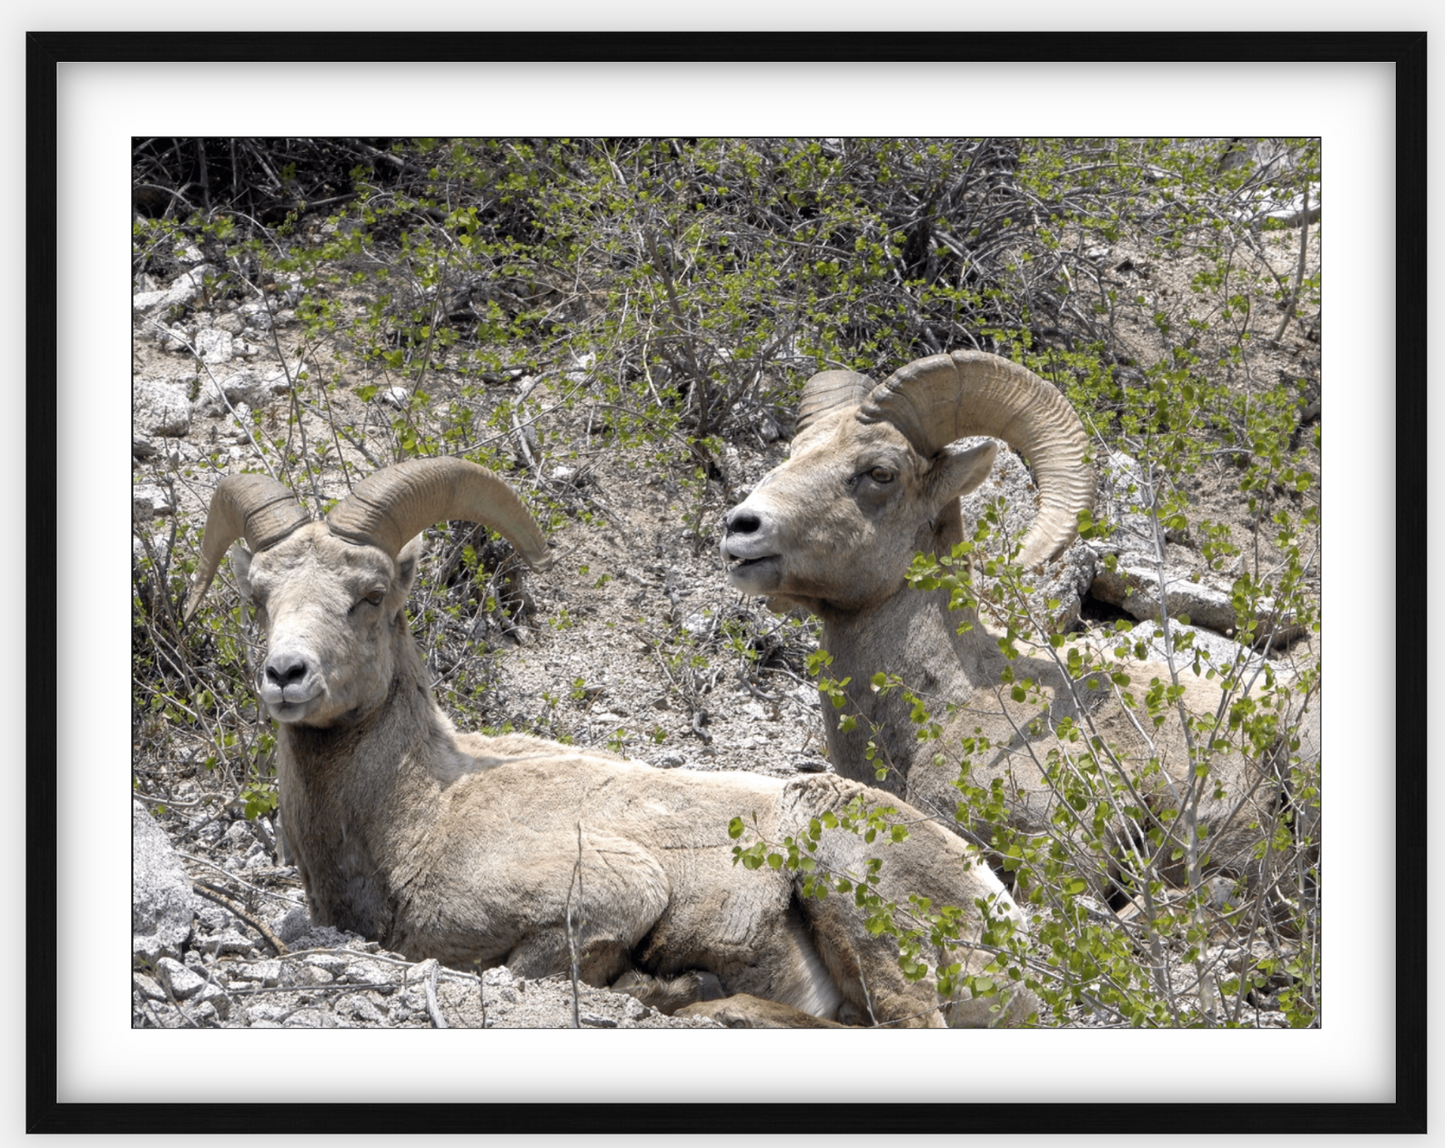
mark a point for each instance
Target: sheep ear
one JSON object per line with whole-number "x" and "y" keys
{"x": 241, "y": 569}
{"x": 958, "y": 469}
{"x": 406, "y": 564}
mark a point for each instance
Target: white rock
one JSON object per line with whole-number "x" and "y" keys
{"x": 145, "y": 300}
{"x": 179, "y": 980}
{"x": 267, "y": 1013}
{"x": 256, "y": 315}
{"x": 181, "y": 453}
{"x": 213, "y": 917}
{"x": 697, "y": 625}
{"x": 214, "y": 346}
{"x": 267, "y": 972}
{"x": 227, "y": 941}
{"x": 182, "y": 290}
{"x": 160, "y": 409}
{"x": 149, "y": 501}
{"x": 329, "y": 963}
{"x": 1122, "y": 500}
{"x": 212, "y": 997}
{"x": 219, "y": 397}
{"x": 162, "y": 902}
{"x": 176, "y": 340}
{"x": 1135, "y": 590}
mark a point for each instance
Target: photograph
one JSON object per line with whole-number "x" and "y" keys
{"x": 617, "y": 571}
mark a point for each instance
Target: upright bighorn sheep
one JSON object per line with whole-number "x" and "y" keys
{"x": 463, "y": 847}
{"x": 874, "y": 477}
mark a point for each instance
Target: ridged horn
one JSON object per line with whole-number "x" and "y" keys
{"x": 936, "y": 400}
{"x": 829, "y": 389}
{"x": 392, "y": 506}
{"x": 251, "y": 506}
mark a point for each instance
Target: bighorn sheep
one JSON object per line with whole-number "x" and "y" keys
{"x": 874, "y": 477}
{"x": 465, "y": 848}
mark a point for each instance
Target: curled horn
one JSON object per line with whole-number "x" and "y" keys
{"x": 936, "y": 400}
{"x": 829, "y": 389}
{"x": 251, "y": 506}
{"x": 394, "y": 505}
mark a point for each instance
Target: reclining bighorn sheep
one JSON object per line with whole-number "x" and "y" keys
{"x": 462, "y": 847}
{"x": 874, "y": 477}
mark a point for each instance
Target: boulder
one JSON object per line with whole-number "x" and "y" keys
{"x": 214, "y": 346}
{"x": 1136, "y": 591}
{"x": 160, "y": 410}
{"x": 162, "y": 903}
{"x": 1133, "y": 585}
{"x": 220, "y": 397}
{"x": 182, "y": 289}
{"x": 149, "y": 501}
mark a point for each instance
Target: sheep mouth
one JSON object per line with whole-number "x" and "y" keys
{"x": 736, "y": 565}
{"x": 290, "y": 711}
{"x": 752, "y": 574}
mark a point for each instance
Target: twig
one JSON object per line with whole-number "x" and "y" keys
{"x": 522, "y": 444}
{"x": 572, "y": 942}
{"x": 863, "y": 984}
{"x": 226, "y": 873}
{"x": 433, "y": 1010}
{"x": 1299, "y": 274}
{"x": 752, "y": 689}
{"x": 210, "y": 893}
{"x": 170, "y": 804}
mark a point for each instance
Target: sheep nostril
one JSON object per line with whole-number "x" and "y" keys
{"x": 741, "y": 521}
{"x": 284, "y": 673}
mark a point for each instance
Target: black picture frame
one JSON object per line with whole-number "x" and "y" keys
{"x": 837, "y": 1112}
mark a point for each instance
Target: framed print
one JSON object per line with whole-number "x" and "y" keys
{"x": 1352, "y": 103}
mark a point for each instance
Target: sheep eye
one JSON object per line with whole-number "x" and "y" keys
{"x": 881, "y": 474}
{"x": 375, "y": 598}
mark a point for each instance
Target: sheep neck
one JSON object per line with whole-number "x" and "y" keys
{"x": 333, "y": 783}
{"x": 914, "y": 637}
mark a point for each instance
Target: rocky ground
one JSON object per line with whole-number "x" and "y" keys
{"x": 631, "y": 642}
